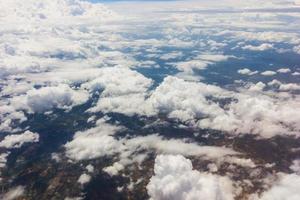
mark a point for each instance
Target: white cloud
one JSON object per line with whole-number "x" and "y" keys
{"x": 73, "y": 198}
{"x": 175, "y": 179}
{"x": 114, "y": 169}
{"x": 200, "y": 62}
{"x": 47, "y": 98}
{"x": 283, "y": 70}
{"x": 14, "y": 193}
{"x": 289, "y": 86}
{"x": 296, "y": 49}
{"x": 296, "y": 73}
{"x": 171, "y": 55}
{"x": 99, "y": 141}
{"x": 93, "y": 143}
{"x": 177, "y": 146}
{"x": 214, "y": 57}
{"x": 124, "y": 91}
{"x": 257, "y": 87}
{"x": 287, "y": 187}
{"x": 84, "y": 179}
{"x": 262, "y": 47}
{"x": 284, "y": 86}
{"x": 3, "y": 159}
{"x": 191, "y": 65}
{"x": 90, "y": 168}
{"x": 185, "y": 100}
{"x": 68, "y": 55}
{"x": 8, "y": 116}
{"x": 247, "y": 71}
{"x": 267, "y": 36}
{"x": 16, "y": 141}
{"x": 249, "y": 113}
{"x": 127, "y": 104}
{"x": 118, "y": 81}
{"x": 268, "y": 73}
{"x": 296, "y": 166}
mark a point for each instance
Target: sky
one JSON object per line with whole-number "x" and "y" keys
{"x": 199, "y": 96}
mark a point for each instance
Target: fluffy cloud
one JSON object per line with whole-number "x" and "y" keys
{"x": 118, "y": 81}
{"x": 84, "y": 179}
{"x": 16, "y": 141}
{"x": 262, "y": 47}
{"x": 47, "y": 98}
{"x": 175, "y": 179}
{"x": 176, "y": 146}
{"x": 114, "y": 169}
{"x": 3, "y": 159}
{"x": 257, "y": 87}
{"x": 53, "y": 10}
{"x": 283, "y": 70}
{"x": 191, "y": 65}
{"x": 246, "y": 113}
{"x": 296, "y": 166}
{"x": 287, "y": 187}
{"x": 295, "y": 73}
{"x": 122, "y": 91}
{"x": 185, "y": 100}
{"x": 14, "y": 193}
{"x": 296, "y": 49}
{"x": 69, "y": 55}
{"x": 9, "y": 115}
{"x": 200, "y": 62}
{"x": 100, "y": 141}
{"x": 268, "y": 73}
{"x": 284, "y": 86}
{"x": 93, "y": 143}
{"x": 247, "y": 71}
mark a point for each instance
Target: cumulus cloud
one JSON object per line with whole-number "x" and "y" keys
{"x": 93, "y": 143}
{"x": 247, "y": 71}
{"x": 14, "y": 193}
{"x": 9, "y": 115}
{"x": 47, "y": 98}
{"x": 191, "y": 65}
{"x": 67, "y": 57}
{"x": 175, "y": 179}
{"x": 100, "y": 141}
{"x": 200, "y": 62}
{"x": 16, "y": 141}
{"x": 248, "y": 113}
{"x": 268, "y": 73}
{"x": 296, "y": 74}
{"x": 284, "y": 86}
{"x": 175, "y": 98}
{"x": 262, "y": 47}
{"x": 118, "y": 81}
{"x": 257, "y": 87}
{"x": 285, "y": 188}
{"x": 90, "y": 168}
{"x": 84, "y": 179}
{"x": 296, "y": 49}
{"x": 296, "y": 166}
{"x": 53, "y": 10}
{"x": 283, "y": 70}
{"x": 171, "y": 55}
{"x": 122, "y": 91}
{"x": 3, "y": 159}
{"x": 114, "y": 169}
{"x": 176, "y": 146}
{"x": 266, "y": 36}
